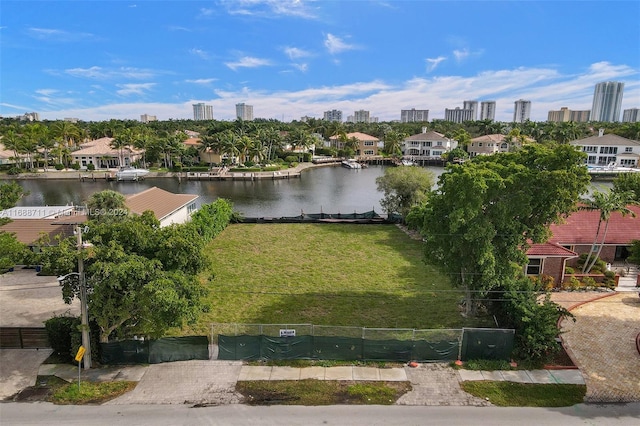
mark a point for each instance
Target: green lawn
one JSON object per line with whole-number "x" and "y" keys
{"x": 510, "y": 394}
{"x": 325, "y": 274}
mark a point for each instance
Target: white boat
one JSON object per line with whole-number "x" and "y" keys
{"x": 131, "y": 174}
{"x": 407, "y": 163}
{"x": 351, "y": 164}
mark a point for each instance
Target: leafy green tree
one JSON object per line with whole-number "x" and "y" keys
{"x": 107, "y": 206}
{"x": 456, "y": 154}
{"x": 12, "y": 251}
{"x": 628, "y": 182}
{"x": 211, "y": 219}
{"x": 484, "y": 213}
{"x": 535, "y": 319}
{"x": 131, "y": 294}
{"x": 404, "y": 188}
{"x": 10, "y": 194}
{"x": 606, "y": 203}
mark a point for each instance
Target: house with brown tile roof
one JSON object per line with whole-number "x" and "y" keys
{"x": 29, "y": 231}
{"x": 368, "y": 145}
{"x": 575, "y": 236}
{"x": 428, "y": 145}
{"x": 100, "y": 153}
{"x": 167, "y": 207}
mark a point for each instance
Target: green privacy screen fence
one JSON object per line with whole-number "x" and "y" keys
{"x": 166, "y": 349}
{"x": 305, "y": 341}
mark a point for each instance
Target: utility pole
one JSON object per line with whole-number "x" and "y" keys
{"x": 84, "y": 314}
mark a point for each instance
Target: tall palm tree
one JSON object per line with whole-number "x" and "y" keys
{"x": 12, "y": 141}
{"x": 123, "y": 139}
{"x": 69, "y": 132}
{"x": 606, "y": 203}
{"x": 46, "y": 142}
{"x": 392, "y": 140}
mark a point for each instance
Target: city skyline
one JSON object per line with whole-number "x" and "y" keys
{"x": 291, "y": 59}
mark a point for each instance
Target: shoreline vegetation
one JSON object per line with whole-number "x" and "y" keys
{"x": 102, "y": 174}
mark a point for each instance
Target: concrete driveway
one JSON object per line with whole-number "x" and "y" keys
{"x": 19, "y": 369}
{"x": 602, "y": 343}
{"x": 27, "y": 300}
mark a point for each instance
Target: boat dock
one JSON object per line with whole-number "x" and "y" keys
{"x": 224, "y": 174}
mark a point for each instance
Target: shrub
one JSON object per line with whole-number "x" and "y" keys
{"x": 59, "y": 166}
{"x": 589, "y": 282}
{"x": 177, "y": 167}
{"x": 290, "y": 159}
{"x": 75, "y": 166}
{"x": 13, "y": 171}
{"x": 91, "y": 167}
{"x": 569, "y": 270}
{"x": 59, "y": 331}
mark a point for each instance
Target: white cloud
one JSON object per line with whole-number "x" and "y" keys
{"x": 202, "y": 81}
{"x": 53, "y": 34}
{"x": 336, "y": 45}
{"x": 200, "y": 53}
{"x": 99, "y": 73}
{"x": 134, "y": 88}
{"x": 460, "y": 54}
{"x": 296, "y": 53}
{"x": 432, "y": 63}
{"x": 46, "y": 92}
{"x": 270, "y": 8}
{"x": 545, "y": 87}
{"x": 248, "y": 62}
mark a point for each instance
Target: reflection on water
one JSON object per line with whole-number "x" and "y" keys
{"x": 328, "y": 189}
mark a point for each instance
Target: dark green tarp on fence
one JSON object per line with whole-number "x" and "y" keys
{"x": 155, "y": 351}
{"x": 487, "y": 343}
{"x": 185, "y": 348}
{"x": 334, "y": 348}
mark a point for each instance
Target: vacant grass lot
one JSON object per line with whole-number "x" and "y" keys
{"x": 325, "y": 274}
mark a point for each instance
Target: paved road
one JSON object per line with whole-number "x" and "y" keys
{"x": 159, "y": 415}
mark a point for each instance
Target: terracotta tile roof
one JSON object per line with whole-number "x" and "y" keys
{"x": 358, "y": 135}
{"x": 27, "y": 231}
{"x": 162, "y": 203}
{"x": 193, "y": 142}
{"x": 608, "y": 139}
{"x": 549, "y": 250}
{"x": 580, "y": 228}
{"x": 489, "y": 138}
{"x": 101, "y": 146}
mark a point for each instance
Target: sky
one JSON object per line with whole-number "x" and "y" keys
{"x": 98, "y": 60}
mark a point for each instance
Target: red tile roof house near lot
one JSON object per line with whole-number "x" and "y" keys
{"x": 576, "y": 235}
{"x": 167, "y": 207}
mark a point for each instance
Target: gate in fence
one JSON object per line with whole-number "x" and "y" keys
{"x": 308, "y": 341}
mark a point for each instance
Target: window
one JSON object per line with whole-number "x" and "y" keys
{"x": 439, "y": 143}
{"x": 590, "y": 149}
{"x": 415, "y": 143}
{"x": 479, "y": 143}
{"x": 368, "y": 152}
{"x": 427, "y": 144}
{"x": 591, "y": 159}
{"x": 368, "y": 143}
{"x": 534, "y": 267}
{"x": 191, "y": 207}
{"x": 608, "y": 150}
{"x": 628, "y": 149}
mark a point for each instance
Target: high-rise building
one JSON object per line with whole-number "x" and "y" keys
{"x": 458, "y": 115}
{"x": 488, "y": 110}
{"x": 631, "y": 115}
{"x": 521, "y": 111}
{"x": 607, "y": 101}
{"x": 202, "y": 111}
{"x": 580, "y": 116}
{"x": 559, "y": 116}
{"x": 244, "y": 111}
{"x": 414, "y": 115}
{"x": 473, "y": 106}
{"x": 145, "y": 118}
{"x": 333, "y": 115}
{"x": 361, "y": 116}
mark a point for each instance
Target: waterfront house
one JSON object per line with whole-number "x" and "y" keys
{"x": 603, "y": 150}
{"x": 167, "y": 207}
{"x": 492, "y": 144}
{"x": 425, "y": 146}
{"x": 368, "y": 145}
{"x": 100, "y": 153}
{"x": 575, "y": 236}
{"x": 204, "y": 155}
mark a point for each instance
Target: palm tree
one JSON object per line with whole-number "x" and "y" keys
{"x": 607, "y": 203}
{"x": 122, "y": 140}
{"x": 47, "y": 143}
{"x": 392, "y": 140}
{"x": 13, "y": 141}
{"x": 69, "y": 132}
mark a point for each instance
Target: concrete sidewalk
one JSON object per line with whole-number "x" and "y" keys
{"x": 568, "y": 377}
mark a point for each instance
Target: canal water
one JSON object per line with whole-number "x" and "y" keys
{"x": 326, "y": 189}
